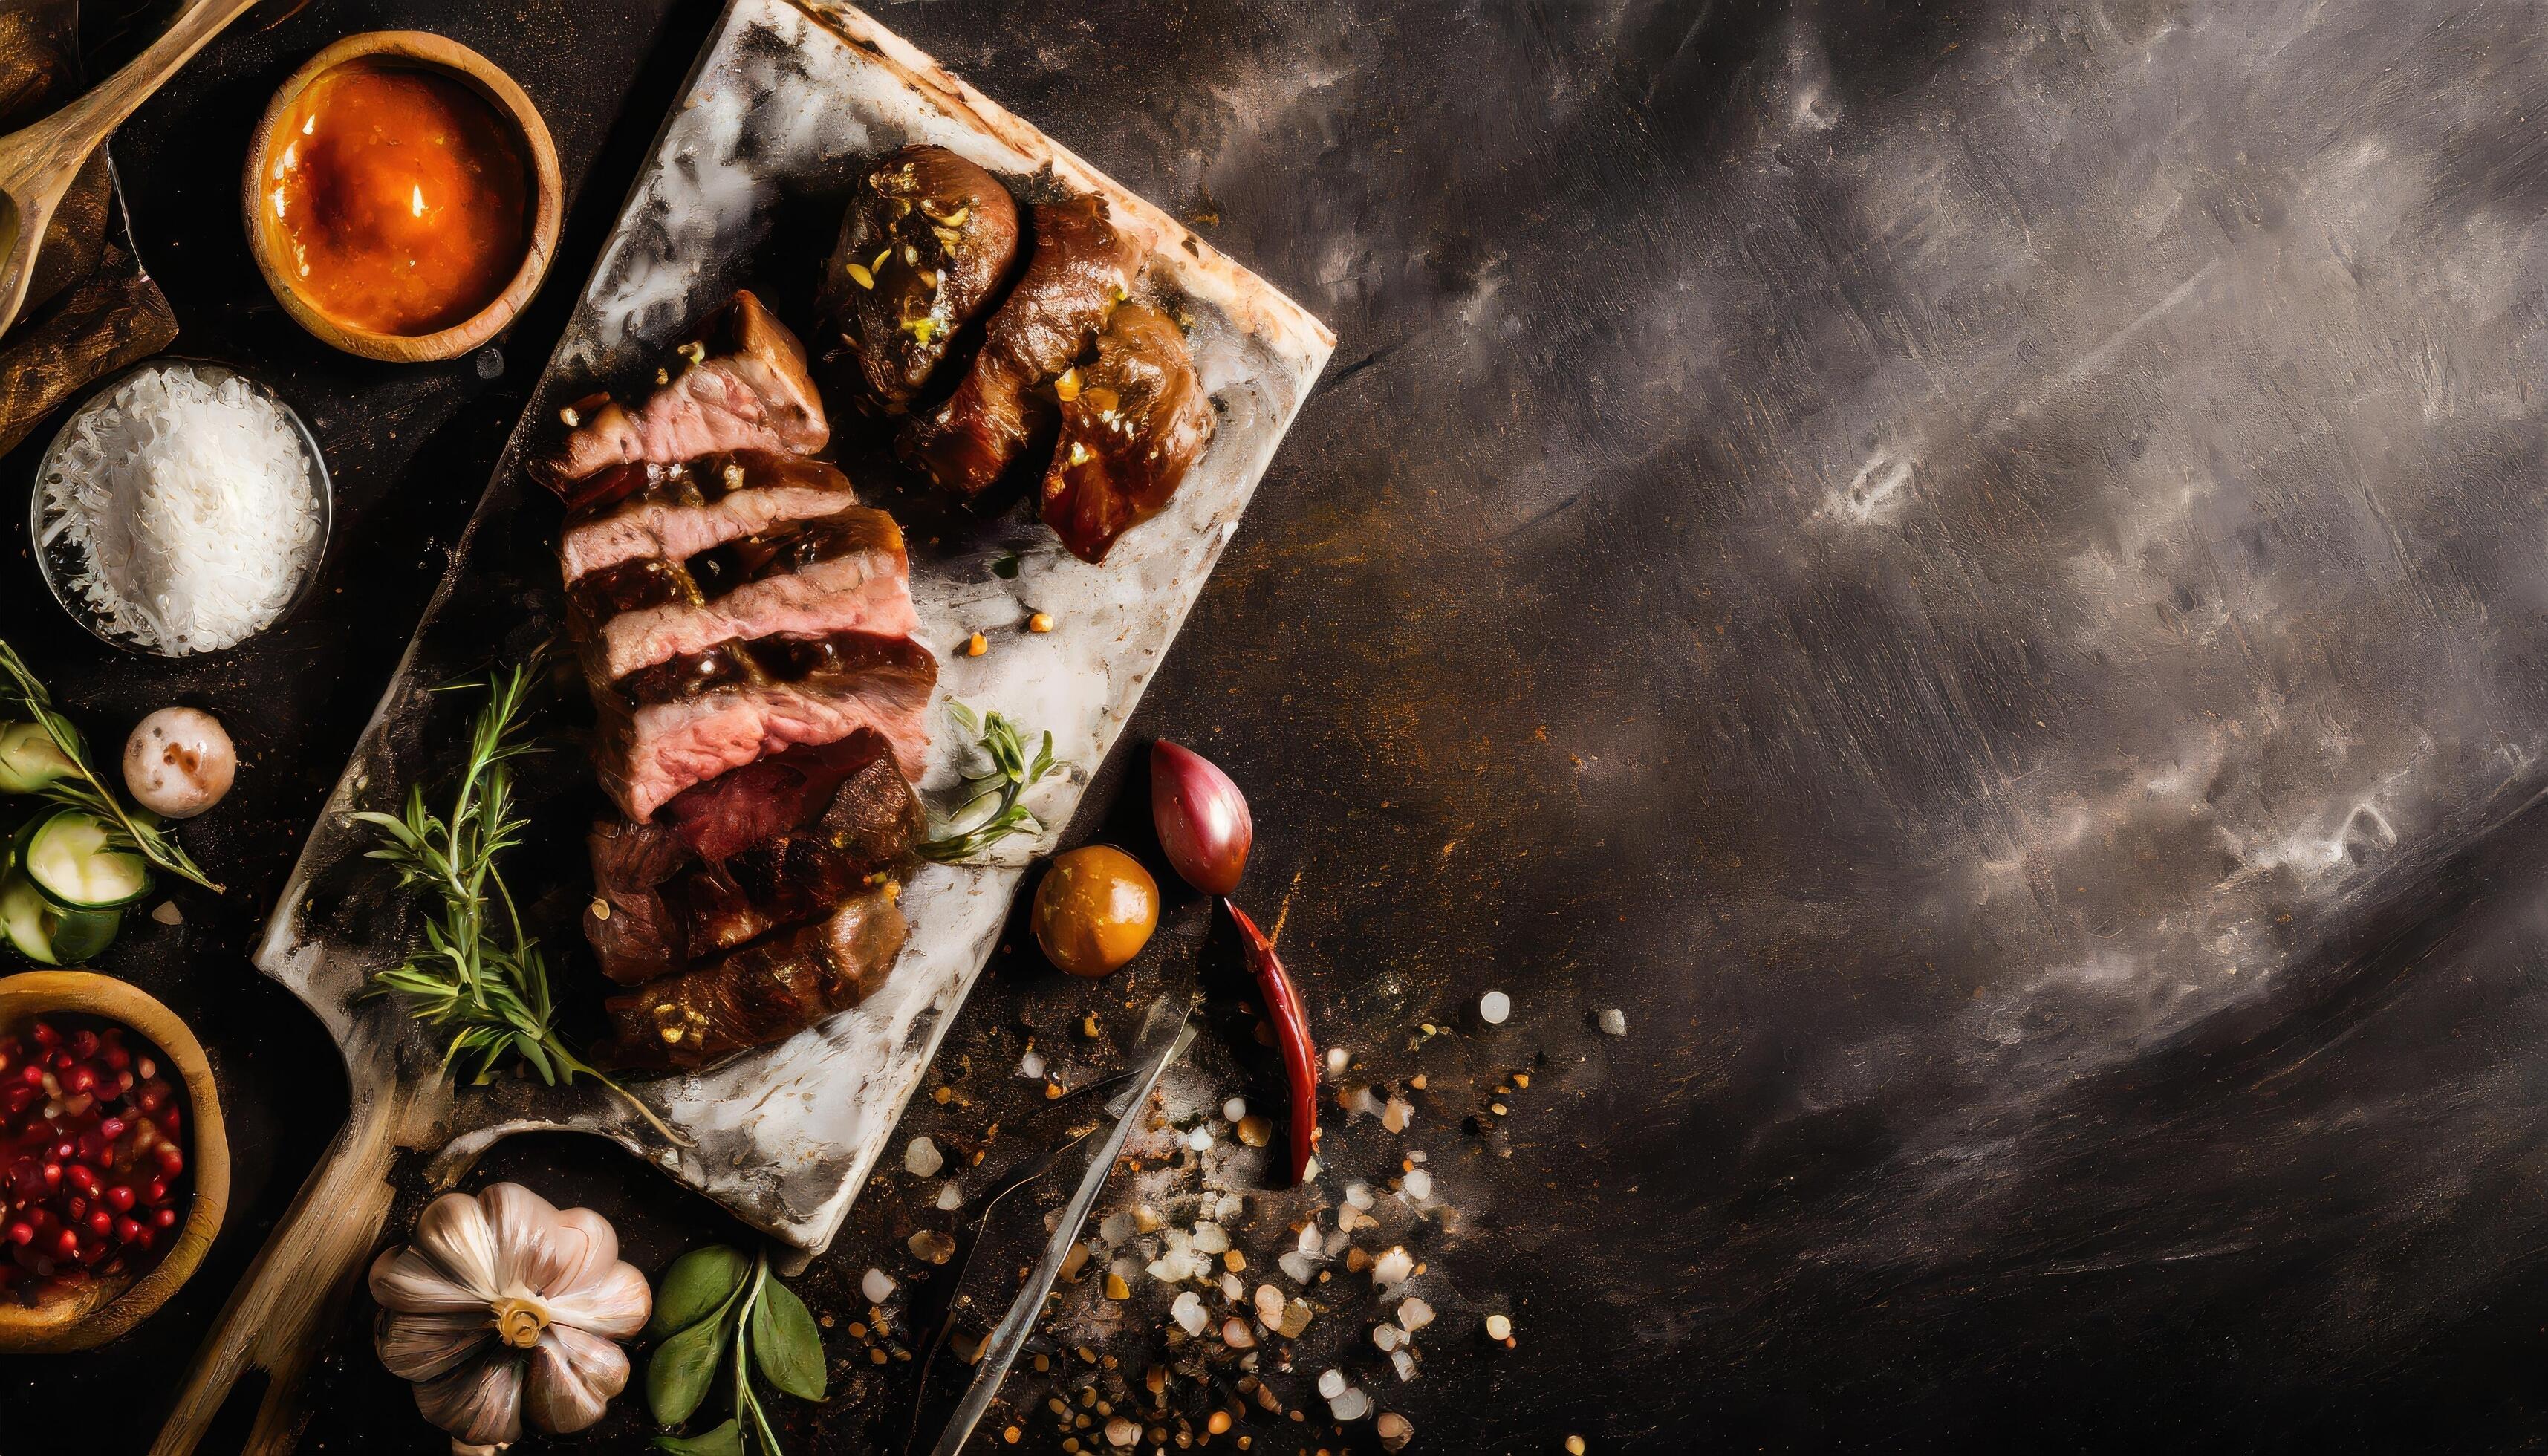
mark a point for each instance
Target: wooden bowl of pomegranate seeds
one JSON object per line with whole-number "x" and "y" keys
{"x": 114, "y": 1167}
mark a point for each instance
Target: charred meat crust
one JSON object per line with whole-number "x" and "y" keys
{"x": 1131, "y": 424}
{"x": 927, "y": 243}
{"x": 763, "y": 991}
{"x": 1082, "y": 265}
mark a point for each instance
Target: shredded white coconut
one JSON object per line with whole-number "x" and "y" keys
{"x": 189, "y": 499}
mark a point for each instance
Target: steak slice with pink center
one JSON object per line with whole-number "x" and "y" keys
{"x": 742, "y": 385}
{"x": 769, "y": 695}
{"x": 866, "y": 586}
{"x": 678, "y": 512}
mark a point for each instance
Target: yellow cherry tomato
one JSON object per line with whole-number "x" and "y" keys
{"x": 1094, "y": 910}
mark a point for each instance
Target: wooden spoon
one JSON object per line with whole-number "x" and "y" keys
{"x": 38, "y": 163}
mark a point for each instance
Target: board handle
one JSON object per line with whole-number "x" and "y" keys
{"x": 294, "y": 1296}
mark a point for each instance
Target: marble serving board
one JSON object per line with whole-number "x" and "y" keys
{"x": 784, "y": 103}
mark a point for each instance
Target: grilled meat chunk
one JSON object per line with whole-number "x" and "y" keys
{"x": 1082, "y": 266}
{"x": 741, "y": 385}
{"x": 635, "y": 930}
{"x": 1131, "y": 425}
{"x": 656, "y": 909}
{"x": 846, "y": 573}
{"x": 675, "y": 512}
{"x": 862, "y": 840}
{"x": 926, "y": 243}
{"x": 734, "y": 811}
{"x": 646, "y": 752}
{"x": 766, "y": 990}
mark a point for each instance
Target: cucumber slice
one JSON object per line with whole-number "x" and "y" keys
{"x": 27, "y": 758}
{"x": 47, "y": 934}
{"x": 22, "y": 920}
{"x": 70, "y": 861}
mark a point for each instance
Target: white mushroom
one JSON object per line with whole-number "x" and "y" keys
{"x": 179, "y": 762}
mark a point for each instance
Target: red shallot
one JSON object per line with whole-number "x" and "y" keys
{"x": 1202, "y": 818}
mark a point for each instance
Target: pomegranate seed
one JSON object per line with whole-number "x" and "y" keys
{"x": 154, "y": 1193}
{"x": 84, "y": 1177}
{"x": 77, "y": 1208}
{"x": 83, "y": 1043}
{"x": 66, "y": 1150}
{"x": 171, "y": 1162}
{"x": 168, "y": 1117}
{"x": 22, "y": 1232}
{"x": 45, "y": 1036}
{"x": 120, "y": 1198}
{"x": 117, "y": 1058}
{"x": 100, "y": 1222}
{"x": 126, "y": 1231}
{"x": 62, "y": 1061}
{"x": 153, "y": 1095}
{"x": 65, "y": 1244}
{"x": 52, "y": 1175}
{"x": 146, "y": 1067}
{"x": 110, "y": 1128}
{"x": 164, "y": 1217}
{"x": 78, "y": 1080}
{"x": 33, "y": 1074}
{"x": 143, "y": 1239}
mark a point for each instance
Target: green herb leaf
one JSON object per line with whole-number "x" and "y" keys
{"x": 784, "y": 1342}
{"x": 683, "y": 1368}
{"x": 699, "y": 1284}
{"x": 1006, "y": 568}
{"x": 722, "y": 1441}
{"x": 1002, "y": 780}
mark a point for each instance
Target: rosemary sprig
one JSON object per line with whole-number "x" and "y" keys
{"x": 1003, "y": 780}
{"x": 480, "y": 975}
{"x": 85, "y": 790}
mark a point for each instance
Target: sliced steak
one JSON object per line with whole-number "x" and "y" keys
{"x": 635, "y": 930}
{"x": 1082, "y": 266}
{"x": 863, "y": 840}
{"x": 858, "y": 579}
{"x": 647, "y": 753}
{"x": 678, "y": 512}
{"x": 741, "y": 385}
{"x": 1132, "y": 424}
{"x": 734, "y": 811}
{"x": 928, "y": 241}
{"x": 763, "y": 992}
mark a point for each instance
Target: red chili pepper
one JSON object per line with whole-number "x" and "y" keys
{"x": 1292, "y": 1030}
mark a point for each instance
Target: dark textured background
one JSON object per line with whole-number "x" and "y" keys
{"x": 1974, "y": 567}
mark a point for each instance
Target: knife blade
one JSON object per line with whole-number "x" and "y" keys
{"x": 1167, "y": 1029}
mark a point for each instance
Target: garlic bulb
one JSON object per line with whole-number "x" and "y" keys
{"x": 505, "y": 1307}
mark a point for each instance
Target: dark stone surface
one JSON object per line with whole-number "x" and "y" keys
{"x": 1973, "y": 566}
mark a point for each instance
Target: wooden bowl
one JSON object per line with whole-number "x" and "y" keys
{"x": 412, "y": 51}
{"x": 100, "y": 1309}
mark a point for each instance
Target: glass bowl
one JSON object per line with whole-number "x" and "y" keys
{"x": 60, "y": 561}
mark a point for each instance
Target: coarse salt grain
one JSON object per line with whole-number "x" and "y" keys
{"x": 1187, "y": 1311}
{"x": 1332, "y": 1384}
{"x": 190, "y": 502}
{"x": 1353, "y": 1405}
{"x": 1493, "y": 1006}
{"x": 877, "y": 1286}
{"x": 1499, "y": 1327}
{"x": 921, "y": 1158}
{"x": 1414, "y": 1315}
{"x": 1234, "y": 1110}
{"x": 1614, "y": 1022}
{"x": 950, "y": 1197}
{"x": 1418, "y": 1185}
{"x": 1393, "y": 1268}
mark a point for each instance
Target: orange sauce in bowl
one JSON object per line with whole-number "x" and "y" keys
{"x": 398, "y": 197}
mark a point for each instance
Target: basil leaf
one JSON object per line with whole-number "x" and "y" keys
{"x": 724, "y": 1440}
{"x": 696, "y": 1286}
{"x": 682, "y": 1368}
{"x": 784, "y": 1342}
